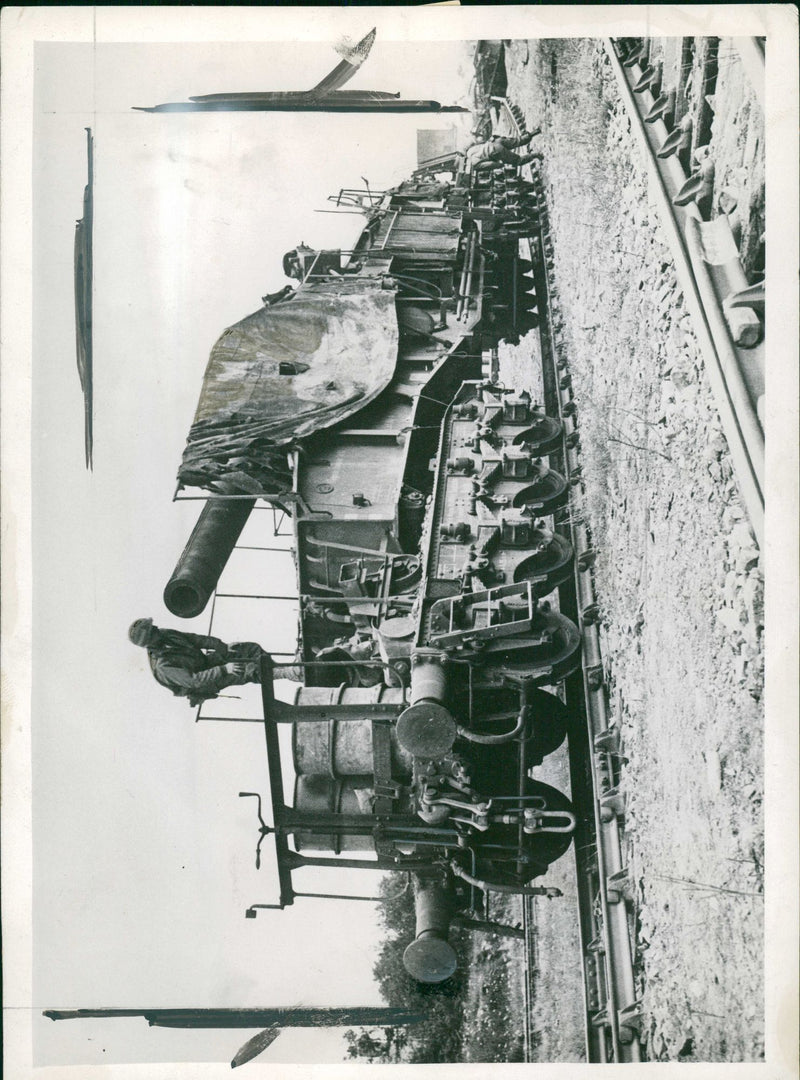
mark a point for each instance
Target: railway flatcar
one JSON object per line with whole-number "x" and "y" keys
{"x": 366, "y": 404}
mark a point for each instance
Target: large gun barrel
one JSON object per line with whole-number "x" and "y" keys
{"x": 203, "y": 559}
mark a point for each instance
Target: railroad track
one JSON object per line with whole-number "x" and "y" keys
{"x": 673, "y": 126}
{"x": 530, "y": 967}
{"x": 612, "y": 1012}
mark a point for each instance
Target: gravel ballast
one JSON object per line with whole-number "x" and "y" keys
{"x": 678, "y": 573}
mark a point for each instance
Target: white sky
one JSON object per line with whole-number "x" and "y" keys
{"x": 143, "y": 860}
{"x": 143, "y": 852}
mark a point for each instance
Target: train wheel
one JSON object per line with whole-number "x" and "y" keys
{"x": 526, "y": 320}
{"x": 540, "y": 849}
{"x": 545, "y": 494}
{"x": 550, "y": 721}
{"x": 543, "y": 663}
{"x": 553, "y": 563}
{"x": 549, "y": 728}
{"x": 543, "y": 437}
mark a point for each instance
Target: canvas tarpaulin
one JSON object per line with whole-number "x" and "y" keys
{"x": 285, "y": 372}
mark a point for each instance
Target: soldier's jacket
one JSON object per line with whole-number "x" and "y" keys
{"x": 192, "y": 665}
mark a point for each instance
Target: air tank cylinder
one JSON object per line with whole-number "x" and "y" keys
{"x": 426, "y": 729}
{"x": 430, "y": 958}
{"x": 204, "y": 558}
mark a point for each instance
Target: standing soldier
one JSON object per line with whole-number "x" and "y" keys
{"x": 195, "y": 666}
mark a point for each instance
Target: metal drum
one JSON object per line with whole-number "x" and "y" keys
{"x": 324, "y": 795}
{"x": 338, "y": 748}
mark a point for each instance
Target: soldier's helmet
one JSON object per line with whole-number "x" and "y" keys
{"x": 139, "y": 631}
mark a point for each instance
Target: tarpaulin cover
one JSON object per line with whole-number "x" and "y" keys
{"x": 285, "y": 372}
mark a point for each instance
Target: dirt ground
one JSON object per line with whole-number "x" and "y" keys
{"x": 678, "y": 574}
{"x": 494, "y": 1003}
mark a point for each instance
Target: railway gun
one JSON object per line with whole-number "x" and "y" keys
{"x": 366, "y": 403}
{"x": 447, "y": 639}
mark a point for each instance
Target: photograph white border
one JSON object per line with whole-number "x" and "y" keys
{"x": 21, "y": 28}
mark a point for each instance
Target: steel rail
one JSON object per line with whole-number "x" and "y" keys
{"x": 614, "y": 939}
{"x": 530, "y": 964}
{"x": 527, "y": 1002}
{"x": 735, "y": 374}
{"x": 609, "y": 990}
